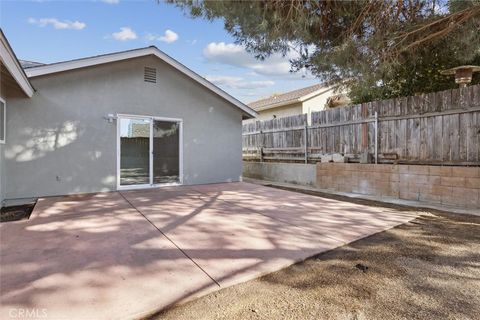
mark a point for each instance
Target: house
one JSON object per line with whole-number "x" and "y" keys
{"x": 131, "y": 119}
{"x": 14, "y": 84}
{"x": 300, "y": 101}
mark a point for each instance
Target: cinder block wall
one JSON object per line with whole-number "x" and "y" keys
{"x": 458, "y": 186}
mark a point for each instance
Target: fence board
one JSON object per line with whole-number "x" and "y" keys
{"x": 431, "y": 128}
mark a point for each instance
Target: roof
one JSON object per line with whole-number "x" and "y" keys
{"x": 290, "y": 97}
{"x": 52, "y": 68}
{"x": 11, "y": 63}
{"x": 29, "y": 64}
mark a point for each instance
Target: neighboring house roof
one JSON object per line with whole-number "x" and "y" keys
{"x": 290, "y": 97}
{"x": 41, "y": 70}
{"x": 10, "y": 61}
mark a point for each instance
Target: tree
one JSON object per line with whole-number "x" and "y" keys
{"x": 378, "y": 49}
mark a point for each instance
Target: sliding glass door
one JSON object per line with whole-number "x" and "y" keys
{"x": 166, "y": 155}
{"x": 149, "y": 151}
{"x": 134, "y": 151}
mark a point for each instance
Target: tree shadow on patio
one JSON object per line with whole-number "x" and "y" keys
{"x": 97, "y": 256}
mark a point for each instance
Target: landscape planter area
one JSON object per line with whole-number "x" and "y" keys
{"x": 16, "y": 213}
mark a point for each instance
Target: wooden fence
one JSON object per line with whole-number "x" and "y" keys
{"x": 436, "y": 128}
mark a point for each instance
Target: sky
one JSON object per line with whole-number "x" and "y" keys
{"x": 51, "y": 31}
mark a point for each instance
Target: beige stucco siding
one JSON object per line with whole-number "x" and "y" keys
{"x": 316, "y": 103}
{"x": 284, "y": 111}
{"x": 2, "y": 164}
{"x": 60, "y": 143}
{"x": 313, "y": 104}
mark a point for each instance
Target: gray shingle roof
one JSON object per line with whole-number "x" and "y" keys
{"x": 29, "y": 64}
{"x": 285, "y": 97}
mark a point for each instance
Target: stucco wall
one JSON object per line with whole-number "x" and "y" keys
{"x": 60, "y": 143}
{"x": 317, "y": 103}
{"x": 314, "y": 104}
{"x": 2, "y": 161}
{"x": 285, "y": 111}
{"x": 2, "y": 173}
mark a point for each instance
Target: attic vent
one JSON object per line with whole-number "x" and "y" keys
{"x": 150, "y": 75}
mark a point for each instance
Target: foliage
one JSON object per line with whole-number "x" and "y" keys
{"x": 418, "y": 73}
{"x": 378, "y": 49}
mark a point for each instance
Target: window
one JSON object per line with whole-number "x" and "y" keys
{"x": 3, "y": 120}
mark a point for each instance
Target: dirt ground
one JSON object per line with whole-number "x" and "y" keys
{"x": 426, "y": 269}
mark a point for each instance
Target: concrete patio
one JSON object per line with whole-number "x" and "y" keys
{"x": 125, "y": 255}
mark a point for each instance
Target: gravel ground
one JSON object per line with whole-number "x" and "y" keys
{"x": 426, "y": 269}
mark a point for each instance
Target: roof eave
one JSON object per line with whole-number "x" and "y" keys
{"x": 119, "y": 56}
{"x": 11, "y": 63}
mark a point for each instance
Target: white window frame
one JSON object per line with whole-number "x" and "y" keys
{"x": 150, "y": 184}
{"x": 5, "y": 121}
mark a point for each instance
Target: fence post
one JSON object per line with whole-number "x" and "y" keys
{"x": 376, "y": 137}
{"x": 306, "y": 142}
{"x": 261, "y": 145}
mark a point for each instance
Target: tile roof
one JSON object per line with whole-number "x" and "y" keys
{"x": 283, "y": 98}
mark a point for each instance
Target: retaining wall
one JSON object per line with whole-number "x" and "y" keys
{"x": 296, "y": 173}
{"x": 446, "y": 185}
{"x": 458, "y": 186}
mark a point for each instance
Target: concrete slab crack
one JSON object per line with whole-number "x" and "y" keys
{"x": 159, "y": 230}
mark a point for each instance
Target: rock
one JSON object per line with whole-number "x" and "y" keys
{"x": 361, "y": 267}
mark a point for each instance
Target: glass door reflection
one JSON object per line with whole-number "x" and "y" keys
{"x": 166, "y": 152}
{"x": 134, "y": 151}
